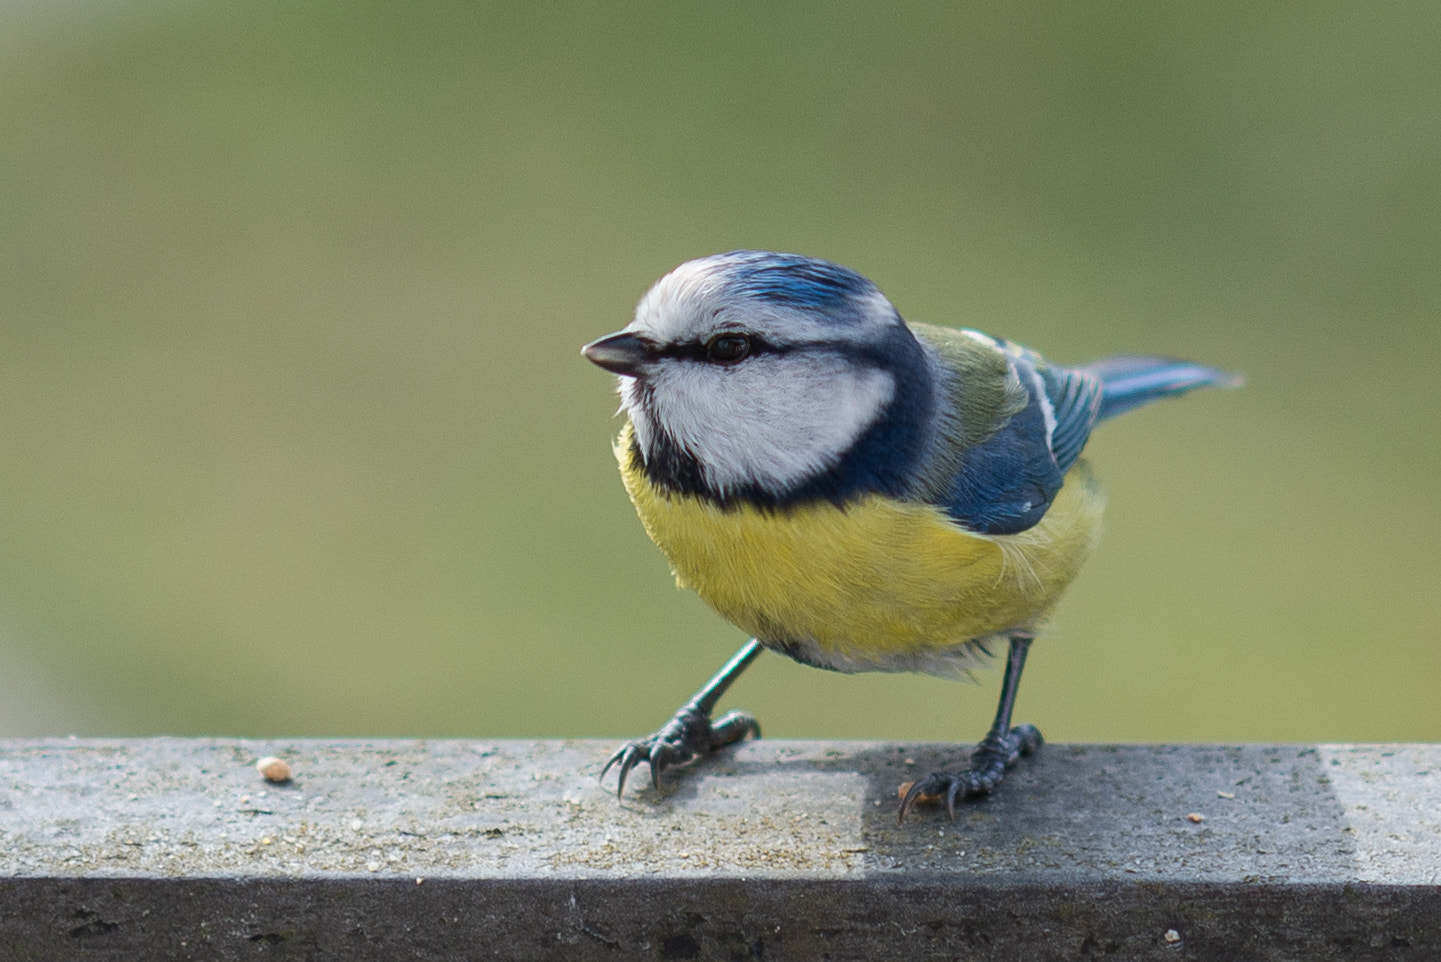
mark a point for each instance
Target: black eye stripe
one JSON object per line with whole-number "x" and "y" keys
{"x": 701, "y": 350}
{"x": 868, "y": 355}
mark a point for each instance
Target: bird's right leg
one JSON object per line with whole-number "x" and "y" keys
{"x": 691, "y": 732}
{"x": 998, "y": 751}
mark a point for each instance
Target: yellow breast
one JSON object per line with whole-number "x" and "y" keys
{"x": 876, "y": 585}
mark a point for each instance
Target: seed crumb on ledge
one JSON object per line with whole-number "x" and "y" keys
{"x": 274, "y": 769}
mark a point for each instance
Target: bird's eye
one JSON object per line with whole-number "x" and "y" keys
{"x": 728, "y": 348}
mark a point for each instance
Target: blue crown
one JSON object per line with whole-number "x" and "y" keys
{"x": 789, "y": 279}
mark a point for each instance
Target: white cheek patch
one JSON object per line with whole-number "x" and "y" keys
{"x": 773, "y": 421}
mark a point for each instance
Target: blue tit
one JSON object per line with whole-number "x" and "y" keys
{"x": 857, "y": 492}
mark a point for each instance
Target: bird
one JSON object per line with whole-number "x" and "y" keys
{"x": 856, "y": 491}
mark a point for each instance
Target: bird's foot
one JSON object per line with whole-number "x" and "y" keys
{"x": 988, "y": 767}
{"x": 687, "y": 735}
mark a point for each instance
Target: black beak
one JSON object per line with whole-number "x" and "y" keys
{"x": 622, "y": 353}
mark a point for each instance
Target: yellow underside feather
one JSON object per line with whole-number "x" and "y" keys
{"x": 877, "y": 585}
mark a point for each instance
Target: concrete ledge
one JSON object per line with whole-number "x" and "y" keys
{"x": 177, "y": 849}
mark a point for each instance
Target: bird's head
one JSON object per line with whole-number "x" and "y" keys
{"x": 758, "y": 370}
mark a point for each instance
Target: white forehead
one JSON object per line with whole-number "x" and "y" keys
{"x": 703, "y": 296}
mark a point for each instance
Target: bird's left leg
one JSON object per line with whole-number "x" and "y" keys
{"x": 999, "y": 750}
{"x": 691, "y": 732}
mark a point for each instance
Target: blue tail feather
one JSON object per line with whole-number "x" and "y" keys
{"x": 1134, "y": 380}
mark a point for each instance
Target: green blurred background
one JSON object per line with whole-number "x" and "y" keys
{"x": 295, "y": 437}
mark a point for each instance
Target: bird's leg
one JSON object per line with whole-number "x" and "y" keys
{"x": 691, "y": 732}
{"x": 996, "y": 752}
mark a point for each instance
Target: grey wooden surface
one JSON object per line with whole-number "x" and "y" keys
{"x": 177, "y": 848}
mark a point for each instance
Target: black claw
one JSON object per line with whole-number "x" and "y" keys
{"x": 930, "y": 785}
{"x": 989, "y": 762}
{"x": 628, "y": 756}
{"x": 732, "y": 727}
{"x": 952, "y": 791}
{"x": 658, "y": 758}
{"x": 689, "y": 734}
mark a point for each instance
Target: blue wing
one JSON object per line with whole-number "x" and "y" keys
{"x": 1006, "y": 483}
